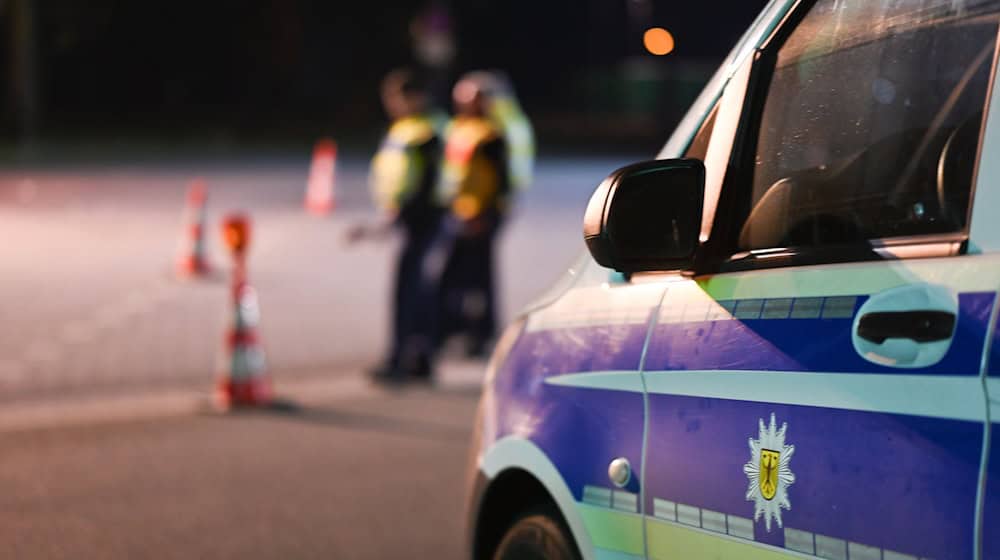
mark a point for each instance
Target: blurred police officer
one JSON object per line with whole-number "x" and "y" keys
{"x": 403, "y": 177}
{"x": 475, "y": 182}
{"x": 505, "y": 110}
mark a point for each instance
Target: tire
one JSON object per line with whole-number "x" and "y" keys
{"x": 537, "y": 534}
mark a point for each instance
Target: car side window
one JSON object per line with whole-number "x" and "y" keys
{"x": 871, "y": 123}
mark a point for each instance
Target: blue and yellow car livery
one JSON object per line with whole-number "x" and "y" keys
{"x": 760, "y": 411}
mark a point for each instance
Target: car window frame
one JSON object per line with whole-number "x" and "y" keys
{"x": 982, "y": 231}
{"x": 721, "y": 252}
{"x": 721, "y": 81}
{"x": 706, "y": 126}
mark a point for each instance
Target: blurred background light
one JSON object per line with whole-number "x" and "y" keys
{"x": 658, "y": 41}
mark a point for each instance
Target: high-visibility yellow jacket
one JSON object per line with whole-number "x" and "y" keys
{"x": 474, "y": 175}
{"x": 403, "y": 173}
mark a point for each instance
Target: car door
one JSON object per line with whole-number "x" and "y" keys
{"x": 815, "y": 389}
{"x": 567, "y": 402}
{"x": 989, "y": 519}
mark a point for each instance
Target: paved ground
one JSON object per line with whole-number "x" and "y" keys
{"x": 105, "y": 358}
{"x": 90, "y": 303}
{"x": 375, "y": 476}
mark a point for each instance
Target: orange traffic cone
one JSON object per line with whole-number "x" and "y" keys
{"x": 243, "y": 379}
{"x": 322, "y": 178}
{"x": 191, "y": 258}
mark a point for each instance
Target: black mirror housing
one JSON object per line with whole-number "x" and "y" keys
{"x": 647, "y": 216}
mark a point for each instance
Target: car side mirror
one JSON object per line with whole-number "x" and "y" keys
{"x": 647, "y": 216}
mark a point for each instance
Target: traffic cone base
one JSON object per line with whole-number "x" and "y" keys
{"x": 192, "y": 265}
{"x": 249, "y": 392}
{"x": 243, "y": 379}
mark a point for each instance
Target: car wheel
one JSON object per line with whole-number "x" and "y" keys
{"x": 538, "y": 534}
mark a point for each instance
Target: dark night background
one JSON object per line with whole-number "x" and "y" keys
{"x": 131, "y": 129}
{"x": 269, "y": 70}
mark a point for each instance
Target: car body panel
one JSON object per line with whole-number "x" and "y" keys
{"x": 680, "y": 374}
{"x": 729, "y": 351}
{"x": 990, "y": 499}
{"x": 527, "y": 399}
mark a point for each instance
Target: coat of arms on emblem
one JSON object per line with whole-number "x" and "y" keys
{"x": 769, "y": 473}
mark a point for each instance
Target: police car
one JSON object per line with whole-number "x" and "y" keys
{"x": 784, "y": 341}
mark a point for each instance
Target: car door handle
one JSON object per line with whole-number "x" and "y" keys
{"x": 919, "y": 326}
{"x": 909, "y": 326}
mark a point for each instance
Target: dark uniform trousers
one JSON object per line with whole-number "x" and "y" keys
{"x": 415, "y": 297}
{"x": 468, "y": 282}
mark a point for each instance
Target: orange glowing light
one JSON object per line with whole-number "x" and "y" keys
{"x": 658, "y": 41}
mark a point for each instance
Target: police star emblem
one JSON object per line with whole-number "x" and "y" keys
{"x": 769, "y": 473}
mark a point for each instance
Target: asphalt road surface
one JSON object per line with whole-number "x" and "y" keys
{"x": 106, "y": 359}
{"x": 90, "y": 303}
{"x": 373, "y": 476}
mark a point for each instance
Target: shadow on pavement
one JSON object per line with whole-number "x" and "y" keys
{"x": 362, "y": 421}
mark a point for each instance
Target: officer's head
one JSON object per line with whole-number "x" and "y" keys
{"x": 403, "y": 93}
{"x": 471, "y": 96}
{"x": 495, "y": 81}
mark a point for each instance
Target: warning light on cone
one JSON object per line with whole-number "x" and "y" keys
{"x": 236, "y": 233}
{"x": 658, "y": 41}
